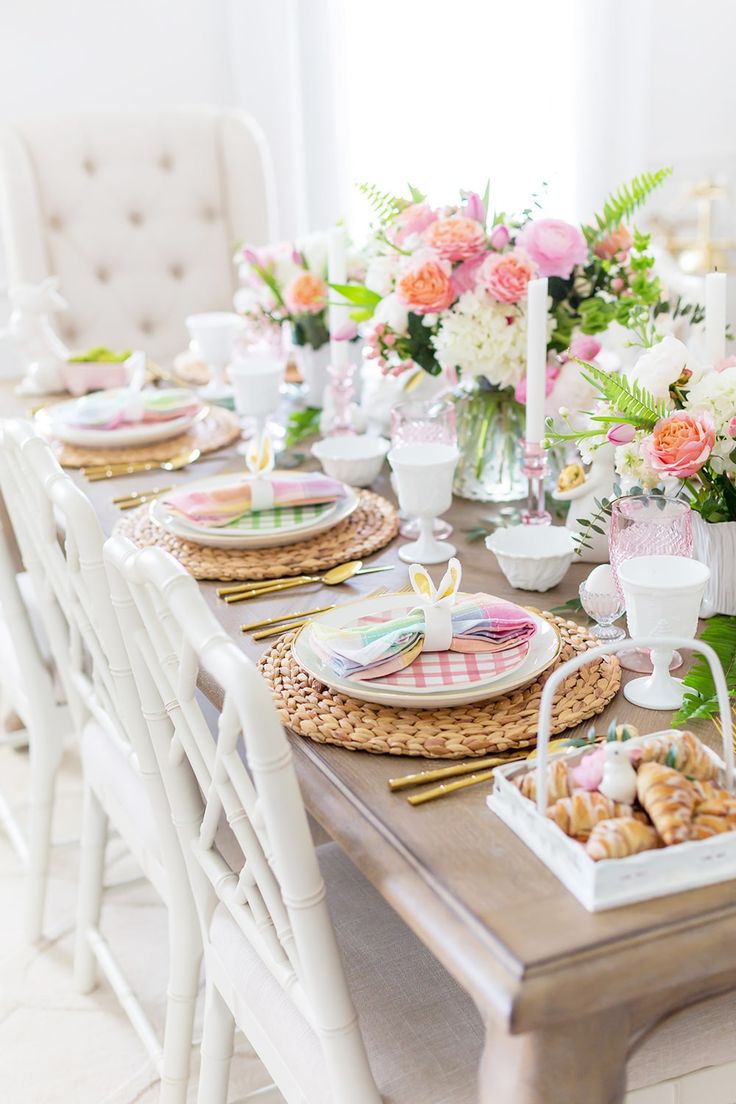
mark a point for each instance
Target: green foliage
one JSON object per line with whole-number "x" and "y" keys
{"x": 302, "y": 424}
{"x": 422, "y": 349}
{"x": 572, "y": 605}
{"x": 361, "y": 297}
{"x": 633, "y": 402}
{"x": 385, "y": 205}
{"x": 621, "y": 205}
{"x": 309, "y": 329}
{"x": 701, "y": 702}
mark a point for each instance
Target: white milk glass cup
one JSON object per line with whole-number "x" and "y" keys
{"x": 212, "y": 334}
{"x": 257, "y": 378}
{"x": 663, "y": 596}
{"x": 424, "y": 481}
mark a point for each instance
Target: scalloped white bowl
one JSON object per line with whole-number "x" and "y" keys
{"x": 533, "y": 557}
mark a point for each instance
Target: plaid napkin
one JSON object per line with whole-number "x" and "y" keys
{"x": 224, "y": 505}
{"x": 479, "y": 623}
{"x": 119, "y": 406}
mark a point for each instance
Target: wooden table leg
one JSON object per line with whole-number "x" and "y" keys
{"x": 581, "y": 1062}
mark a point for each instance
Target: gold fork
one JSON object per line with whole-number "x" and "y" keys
{"x": 297, "y": 624}
{"x": 96, "y": 472}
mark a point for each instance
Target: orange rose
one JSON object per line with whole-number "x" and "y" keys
{"x": 306, "y": 294}
{"x": 455, "y": 238}
{"x": 615, "y": 243}
{"x": 425, "y": 287}
{"x": 680, "y": 444}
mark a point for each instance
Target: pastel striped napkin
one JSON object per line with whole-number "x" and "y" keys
{"x": 480, "y": 623}
{"x": 223, "y": 505}
{"x": 119, "y": 406}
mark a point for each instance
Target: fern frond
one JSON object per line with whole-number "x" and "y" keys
{"x": 621, "y": 205}
{"x": 386, "y": 206}
{"x": 625, "y": 396}
{"x": 720, "y": 633}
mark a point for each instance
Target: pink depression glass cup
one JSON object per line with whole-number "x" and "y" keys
{"x": 648, "y": 525}
{"x": 421, "y": 422}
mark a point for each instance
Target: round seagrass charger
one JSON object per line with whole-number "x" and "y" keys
{"x": 311, "y": 709}
{"x": 371, "y": 526}
{"x": 219, "y": 429}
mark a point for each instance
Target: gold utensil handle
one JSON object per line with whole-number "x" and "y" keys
{"x": 279, "y": 629}
{"x": 133, "y": 495}
{"x": 230, "y": 598}
{"x": 284, "y": 617}
{"x": 449, "y": 787}
{"x": 238, "y": 588}
{"x": 422, "y": 777}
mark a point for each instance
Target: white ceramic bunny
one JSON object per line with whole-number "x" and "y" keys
{"x": 598, "y": 484}
{"x": 619, "y": 777}
{"x": 41, "y": 350}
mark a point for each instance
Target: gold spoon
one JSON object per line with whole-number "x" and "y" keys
{"x": 333, "y": 577}
{"x": 355, "y": 566}
{"x": 109, "y": 471}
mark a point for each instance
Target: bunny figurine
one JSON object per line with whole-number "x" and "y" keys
{"x": 41, "y": 351}
{"x": 582, "y": 495}
{"x": 619, "y": 777}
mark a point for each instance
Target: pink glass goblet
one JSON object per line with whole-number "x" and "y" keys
{"x": 648, "y": 525}
{"x": 417, "y": 422}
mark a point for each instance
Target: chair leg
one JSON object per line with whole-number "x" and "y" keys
{"x": 217, "y": 1049}
{"x": 42, "y": 792}
{"x": 93, "y": 842}
{"x": 185, "y": 958}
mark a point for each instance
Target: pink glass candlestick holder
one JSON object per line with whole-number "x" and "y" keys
{"x": 341, "y": 391}
{"x": 535, "y": 469}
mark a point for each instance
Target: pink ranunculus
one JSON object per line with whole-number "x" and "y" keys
{"x": 425, "y": 286}
{"x": 584, "y": 347}
{"x": 555, "y": 246}
{"x": 474, "y": 208}
{"x": 680, "y": 444}
{"x": 616, "y": 244}
{"x": 552, "y": 372}
{"x": 588, "y": 773}
{"x": 465, "y": 275}
{"x": 414, "y": 219}
{"x": 506, "y": 275}
{"x": 500, "y": 237}
{"x": 621, "y": 434}
{"x": 456, "y": 238}
{"x": 731, "y": 431}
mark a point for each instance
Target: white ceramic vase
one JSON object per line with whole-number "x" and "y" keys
{"x": 715, "y": 545}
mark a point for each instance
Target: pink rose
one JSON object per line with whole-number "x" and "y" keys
{"x": 616, "y": 244}
{"x": 680, "y": 444}
{"x": 465, "y": 275}
{"x": 555, "y": 246}
{"x": 425, "y": 287}
{"x": 621, "y": 434}
{"x": 552, "y": 372}
{"x": 500, "y": 237}
{"x": 505, "y": 275}
{"x": 414, "y": 219}
{"x": 456, "y": 238}
{"x": 584, "y": 347}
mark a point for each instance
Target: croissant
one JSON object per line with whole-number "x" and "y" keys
{"x": 622, "y": 836}
{"x": 578, "y": 815}
{"x": 668, "y": 798}
{"x": 681, "y": 750}
{"x": 706, "y": 825}
{"x": 712, "y": 799}
{"x": 558, "y": 783}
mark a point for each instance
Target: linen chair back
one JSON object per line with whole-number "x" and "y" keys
{"x": 274, "y": 892}
{"x": 137, "y": 213}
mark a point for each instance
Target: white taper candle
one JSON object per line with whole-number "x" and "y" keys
{"x": 339, "y": 311}
{"x": 715, "y": 316}
{"x": 536, "y": 358}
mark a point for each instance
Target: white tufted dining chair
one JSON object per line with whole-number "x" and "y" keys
{"x": 137, "y": 214}
{"x": 122, "y": 784}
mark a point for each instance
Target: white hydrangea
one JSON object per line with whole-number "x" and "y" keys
{"x": 482, "y": 337}
{"x": 380, "y": 273}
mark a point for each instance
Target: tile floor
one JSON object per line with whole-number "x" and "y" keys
{"x": 57, "y": 1047}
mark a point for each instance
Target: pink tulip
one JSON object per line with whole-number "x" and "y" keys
{"x": 584, "y": 347}
{"x": 474, "y": 208}
{"x": 500, "y": 237}
{"x": 346, "y": 332}
{"x": 621, "y": 434}
{"x": 251, "y": 256}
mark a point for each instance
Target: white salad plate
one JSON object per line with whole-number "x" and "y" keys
{"x": 541, "y": 652}
{"x": 232, "y": 538}
{"x": 55, "y": 421}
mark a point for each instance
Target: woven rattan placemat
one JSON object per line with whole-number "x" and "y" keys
{"x": 371, "y": 526}
{"x": 311, "y": 709}
{"x": 218, "y": 429}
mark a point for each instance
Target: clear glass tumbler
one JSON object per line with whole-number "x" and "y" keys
{"x": 417, "y": 422}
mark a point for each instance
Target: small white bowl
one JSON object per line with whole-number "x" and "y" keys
{"x": 533, "y": 557}
{"x": 356, "y": 460}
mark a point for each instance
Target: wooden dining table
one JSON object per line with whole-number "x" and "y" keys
{"x": 563, "y": 993}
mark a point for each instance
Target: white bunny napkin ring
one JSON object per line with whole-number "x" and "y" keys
{"x": 436, "y": 604}
{"x": 260, "y": 461}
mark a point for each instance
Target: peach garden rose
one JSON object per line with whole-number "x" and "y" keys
{"x": 455, "y": 238}
{"x": 680, "y": 444}
{"x": 306, "y": 294}
{"x": 506, "y": 275}
{"x": 425, "y": 286}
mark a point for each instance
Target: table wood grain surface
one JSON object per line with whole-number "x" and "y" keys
{"x": 547, "y": 976}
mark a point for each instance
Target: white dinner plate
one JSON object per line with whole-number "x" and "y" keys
{"x": 543, "y": 649}
{"x": 53, "y": 421}
{"x": 232, "y": 539}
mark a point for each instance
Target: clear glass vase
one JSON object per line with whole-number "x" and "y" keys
{"x": 490, "y": 428}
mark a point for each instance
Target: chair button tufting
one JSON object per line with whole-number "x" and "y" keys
{"x": 70, "y": 332}
{"x": 166, "y": 163}
{"x": 209, "y": 214}
{"x": 89, "y": 166}
{"x": 103, "y": 275}
{"x": 147, "y": 326}
{"x": 136, "y": 218}
{"x": 176, "y": 271}
{"x": 55, "y": 222}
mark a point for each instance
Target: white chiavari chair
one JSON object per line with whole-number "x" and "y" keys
{"x": 278, "y": 964}
{"x": 123, "y": 788}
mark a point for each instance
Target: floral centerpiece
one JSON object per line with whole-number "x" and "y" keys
{"x": 445, "y": 293}
{"x": 673, "y": 424}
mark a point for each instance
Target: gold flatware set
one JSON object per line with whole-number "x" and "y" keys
{"x": 96, "y": 472}
{"x": 241, "y": 592}
{"x": 137, "y": 498}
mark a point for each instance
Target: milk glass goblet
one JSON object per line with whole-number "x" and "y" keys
{"x": 648, "y": 525}
{"x": 663, "y": 596}
{"x": 257, "y": 377}
{"x": 416, "y": 422}
{"x": 424, "y": 479}
{"x": 213, "y": 334}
